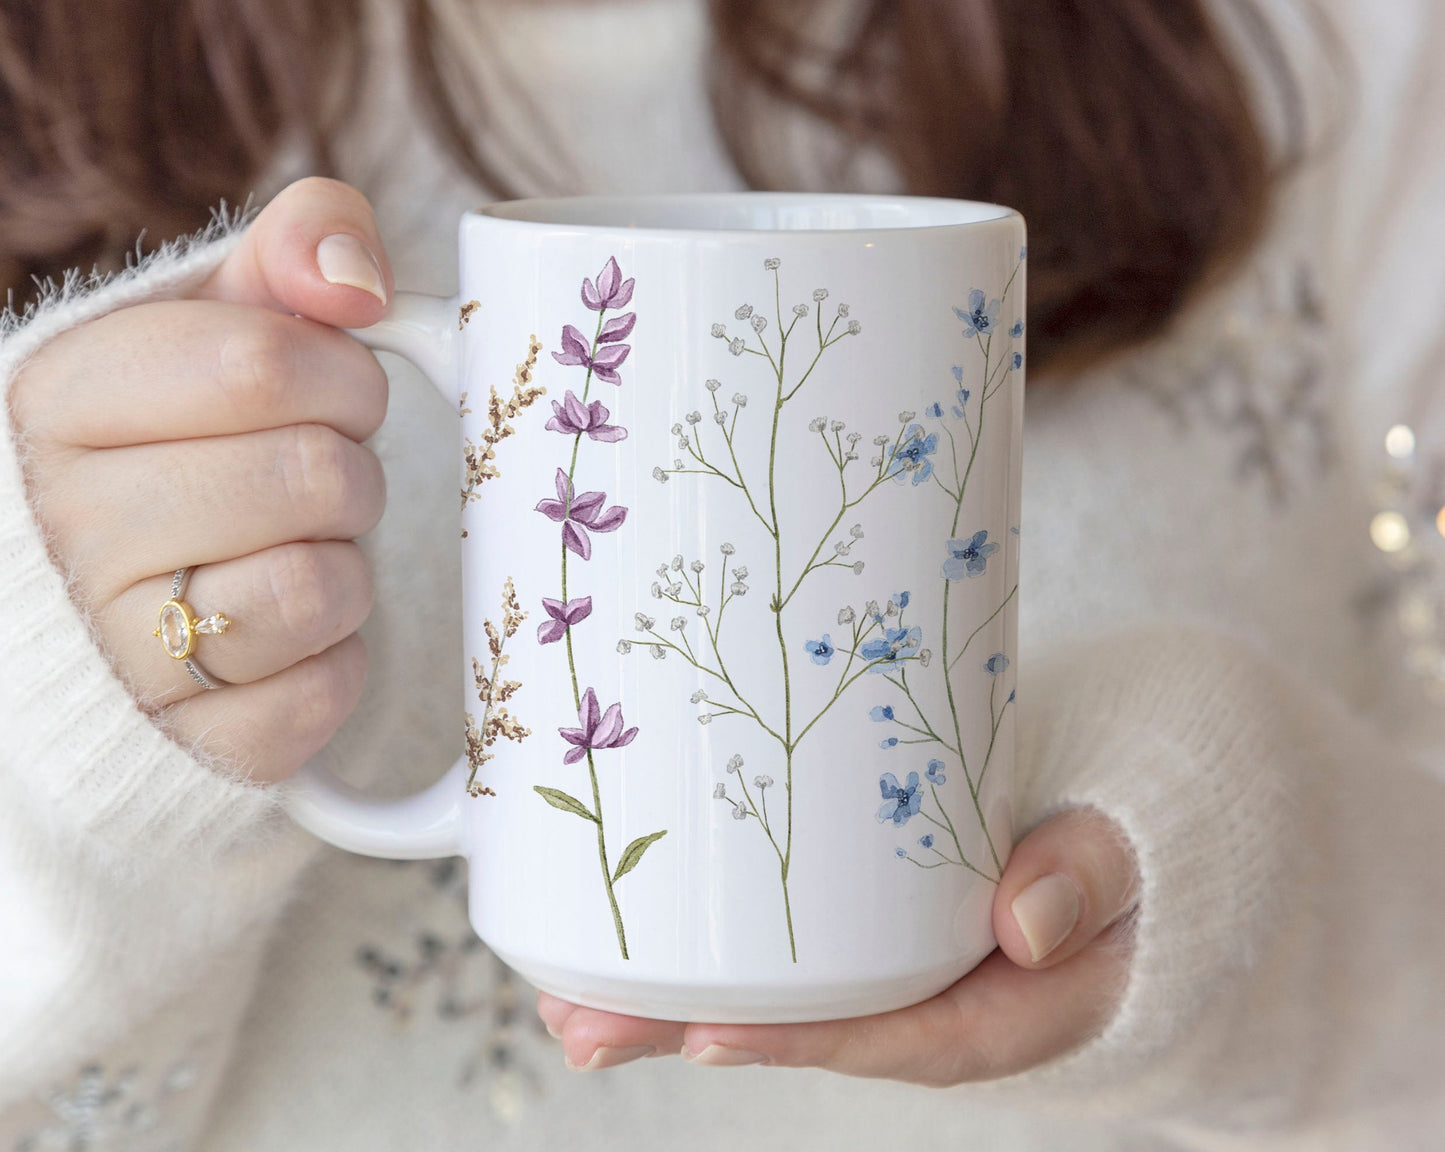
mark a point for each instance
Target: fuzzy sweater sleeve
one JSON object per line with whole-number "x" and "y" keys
{"x": 127, "y": 864}
{"x": 1291, "y": 925}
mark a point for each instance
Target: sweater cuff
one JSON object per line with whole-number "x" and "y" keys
{"x": 78, "y": 751}
{"x": 1173, "y": 734}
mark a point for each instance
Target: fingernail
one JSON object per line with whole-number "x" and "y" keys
{"x": 1046, "y": 912}
{"x": 606, "y": 1057}
{"x": 555, "y": 1033}
{"x": 719, "y": 1056}
{"x": 343, "y": 259}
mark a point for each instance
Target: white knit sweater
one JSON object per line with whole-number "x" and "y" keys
{"x": 1210, "y": 653}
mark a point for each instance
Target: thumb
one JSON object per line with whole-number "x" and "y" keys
{"x": 313, "y": 251}
{"x": 1066, "y": 882}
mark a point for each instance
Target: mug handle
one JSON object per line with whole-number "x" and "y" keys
{"x": 428, "y": 824}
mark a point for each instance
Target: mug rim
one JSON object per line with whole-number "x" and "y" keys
{"x": 552, "y": 212}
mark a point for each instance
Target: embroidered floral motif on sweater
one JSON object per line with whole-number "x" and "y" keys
{"x": 105, "y": 1110}
{"x": 1252, "y": 369}
{"x": 443, "y": 976}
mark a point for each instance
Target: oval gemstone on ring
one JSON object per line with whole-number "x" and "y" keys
{"x": 175, "y": 631}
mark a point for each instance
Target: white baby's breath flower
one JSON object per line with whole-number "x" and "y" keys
{"x": 836, "y": 426}
{"x": 739, "y": 812}
{"x": 624, "y": 647}
{"x": 683, "y": 442}
{"x": 713, "y": 385}
{"x": 678, "y": 623}
{"x": 740, "y": 400}
{"x": 740, "y": 572}
{"x": 856, "y": 531}
{"x": 656, "y": 590}
{"x": 659, "y": 652}
{"x": 876, "y": 462}
{"x": 705, "y": 718}
{"x": 842, "y": 310}
{"x": 734, "y": 764}
{"x": 738, "y": 588}
{"x": 881, "y": 441}
{"x": 820, "y": 294}
{"x": 703, "y": 609}
{"x": 727, "y": 549}
{"x": 854, "y": 437}
{"x": 800, "y": 309}
{"x": 697, "y": 566}
{"x": 677, "y": 429}
{"x": 644, "y": 622}
{"x": 870, "y": 609}
{"x": 925, "y": 656}
{"x": 906, "y": 416}
{"x": 720, "y": 418}
{"x": 659, "y": 475}
{"x": 854, "y": 328}
{"x": 744, "y": 311}
{"x": 677, "y": 562}
{"x": 842, "y": 548}
{"x": 772, "y": 263}
{"x": 762, "y": 782}
{"x": 850, "y": 457}
{"x": 693, "y": 417}
{"x": 846, "y": 615}
{"x": 759, "y": 322}
{"x": 817, "y": 424}
{"x": 891, "y": 610}
{"x": 720, "y": 792}
{"x": 738, "y": 346}
{"x": 720, "y": 331}
{"x": 698, "y": 697}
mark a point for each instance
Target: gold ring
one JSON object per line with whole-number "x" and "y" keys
{"x": 177, "y": 627}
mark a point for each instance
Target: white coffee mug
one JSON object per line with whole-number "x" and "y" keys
{"x": 740, "y": 498}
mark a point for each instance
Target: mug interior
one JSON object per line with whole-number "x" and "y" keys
{"x": 751, "y": 212}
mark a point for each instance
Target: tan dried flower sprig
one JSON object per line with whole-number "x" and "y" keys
{"x": 500, "y": 413}
{"x": 497, "y": 723}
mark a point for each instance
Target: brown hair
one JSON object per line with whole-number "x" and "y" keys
{"x": 1122, "y": 129}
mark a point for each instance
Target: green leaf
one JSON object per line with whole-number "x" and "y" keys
{"x": 633, "y": 854}
{"x": 566, "y": 803}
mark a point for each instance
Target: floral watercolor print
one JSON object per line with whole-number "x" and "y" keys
{"x": 859, "y": 643}
{"x": 920, "y": 793}
{"x": 581, "y": 516}
{"x": 493, "y": 691}
{"x": 878, "y": 643}
{"x": 479, "y": 466}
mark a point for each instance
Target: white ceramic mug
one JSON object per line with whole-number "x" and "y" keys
{"x": 740, "y": 540}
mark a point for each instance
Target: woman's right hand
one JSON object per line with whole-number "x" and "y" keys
{"x": 225, "y": 432}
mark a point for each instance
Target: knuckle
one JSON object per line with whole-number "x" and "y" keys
{"x": 323, "y": 694}
{"x": 300, "y": 590}
{"x": 317, "y": 470}
{"x": 257, "y": 365}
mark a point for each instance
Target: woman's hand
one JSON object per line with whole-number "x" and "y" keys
{"x": 1061, "y": 917}
{"x": 225, "y": 433}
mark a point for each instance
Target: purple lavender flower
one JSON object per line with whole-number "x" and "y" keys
{"x": 618, "y": 328}
{"x": 572, "y": 418}
{"x": 576, "y": 514}
{"x": 611, "y": 291}
{"x": 604, "y": 363}
{"x": 598, "y": 729}
{"x": 563, "y": 616}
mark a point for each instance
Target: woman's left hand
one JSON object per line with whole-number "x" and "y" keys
{"x": 1061, "y": 915}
